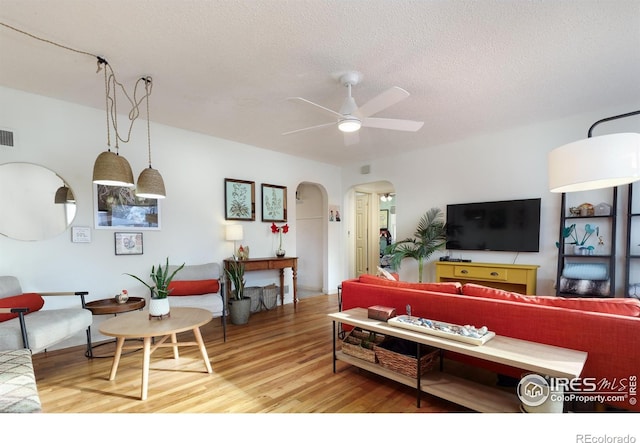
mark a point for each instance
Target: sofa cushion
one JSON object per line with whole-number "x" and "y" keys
{"x": 618, "y": 306}
{"x": 29, "y": 300}
{"x": 446, "y": 287}
{"x": 193, "y": 287}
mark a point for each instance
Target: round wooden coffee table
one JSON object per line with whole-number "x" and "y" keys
{"x": 109, "y": 306}
{"x": 139, "y": 325}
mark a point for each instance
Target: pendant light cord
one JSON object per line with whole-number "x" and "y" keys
{"x": 148, "y": 85}
{"x": 110, "y": 93}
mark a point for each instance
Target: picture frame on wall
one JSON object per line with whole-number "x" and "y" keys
{"x": 118, "y": 207}
{"x": 384, "y": 219}
{"x": 239, "y": 199}
{"x": 274, "y": 203}
{"x": 128, "y": 243}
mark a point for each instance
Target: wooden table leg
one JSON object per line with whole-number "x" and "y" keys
{"x": 174, "y": 340}
{"x": 203, "y": 349}
{"x": 116, "y": 358}
{"x": 295, "y": 284}
{"x": 145, "y": 367}
{"x": 281, "y": 286}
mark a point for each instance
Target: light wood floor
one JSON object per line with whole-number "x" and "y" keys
{"x": 279, "y": 362}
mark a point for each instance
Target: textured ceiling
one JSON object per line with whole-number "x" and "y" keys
{"x": 225, "y": 68}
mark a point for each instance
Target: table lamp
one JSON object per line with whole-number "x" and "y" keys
{"x": 233, "y": 233}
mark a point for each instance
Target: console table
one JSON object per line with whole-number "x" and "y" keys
{"x": 529, "y": 356}
{"x": 515, "y": 278}
{"x": 265, "y": 264}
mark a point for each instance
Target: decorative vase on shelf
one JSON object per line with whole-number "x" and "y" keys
{"x": 280, "y": 252}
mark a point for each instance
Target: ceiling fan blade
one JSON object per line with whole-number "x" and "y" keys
{"x": 351, "y": 138}
{"x": 317, "y": 106}
{"x": 391, "y": 123}
{"x": 382, "y": 101}
{"x": 309, "y": 128}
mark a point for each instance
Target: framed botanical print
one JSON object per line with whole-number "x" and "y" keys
{"x": 239, "y": 199}
{"x": 274, "y": 203}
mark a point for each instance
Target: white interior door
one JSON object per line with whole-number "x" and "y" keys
{"x": 362, "y": 234}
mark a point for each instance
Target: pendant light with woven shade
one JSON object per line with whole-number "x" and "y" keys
{"x": 64, "y": 194}
{"x": 150, "y": 182}
{"x": 111, "y": 169}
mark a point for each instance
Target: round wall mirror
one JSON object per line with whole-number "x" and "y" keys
{"x": 36, "y": 202}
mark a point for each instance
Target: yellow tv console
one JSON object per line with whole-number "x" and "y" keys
{"x": 514, "y": 278}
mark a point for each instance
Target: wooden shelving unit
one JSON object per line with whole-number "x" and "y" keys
{"x": 632, "y": 258}
{"x": 535, "y": 357}
{"x": 566, "y": 252}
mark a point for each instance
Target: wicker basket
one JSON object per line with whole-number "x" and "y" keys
{"x": 358, "y": 344}
{"x": 255, "y": 294}
{"x": 270, "y": 296}
{"x": 399, "y": 355}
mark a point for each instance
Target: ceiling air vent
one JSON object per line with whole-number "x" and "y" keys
{"x": 6, "y": 138}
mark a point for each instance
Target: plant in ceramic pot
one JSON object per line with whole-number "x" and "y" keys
{"x": 430, "y": 235}
{"x": 159, "y": 303}
{"x": 239, "y": 305}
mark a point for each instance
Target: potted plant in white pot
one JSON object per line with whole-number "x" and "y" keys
{"x": 158, "y": 302}
{"x": 239, "y": 305}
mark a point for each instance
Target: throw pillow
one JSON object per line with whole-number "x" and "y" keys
{"x": 386, "y": 274}
{"x": 193, "y": 287}
{"x": 33, "y": 301}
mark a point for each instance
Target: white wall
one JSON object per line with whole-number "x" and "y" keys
{"x": 67, "y": 139}
{"x": 499, "y": 166}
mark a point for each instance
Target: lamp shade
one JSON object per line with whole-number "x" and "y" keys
{"x": 233, "y": 232}
{"x": 61, "y": 195}
{"x": 150, "y": 184}
{"x": 596, "y": 162}
{"x": 112, "y": 170}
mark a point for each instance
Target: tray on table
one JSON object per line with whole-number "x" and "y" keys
{"x": 440, "y": 329}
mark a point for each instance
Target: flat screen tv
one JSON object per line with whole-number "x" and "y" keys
{"x": 510, "y": 225}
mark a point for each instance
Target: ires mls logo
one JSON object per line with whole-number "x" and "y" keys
{"x": 534, "y": 390}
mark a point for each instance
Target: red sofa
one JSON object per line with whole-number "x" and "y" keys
{"x": 607, "y": 329}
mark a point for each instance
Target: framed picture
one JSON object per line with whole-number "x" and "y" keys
{"x": 384, "y": 219}
{"x": 117, "y": 207}
{"x": 128, "y": 243}
{"x": 81, "y": 234}
{"x": 239, "y": 199}
{"x": 274, "y": 203}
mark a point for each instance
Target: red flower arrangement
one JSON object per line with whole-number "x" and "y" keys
{"x": 279, "y": 230}
{"x": 276, "y": 229}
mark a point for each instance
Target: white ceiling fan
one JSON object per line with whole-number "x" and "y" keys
{"x": 350, "y": 118}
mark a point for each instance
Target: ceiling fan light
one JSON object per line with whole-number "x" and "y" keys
{"x": 150, "y": 184}
{"x": 351, "y": 124}
{"x": 111, "y": 169}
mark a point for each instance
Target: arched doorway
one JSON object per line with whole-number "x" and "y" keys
{"x": 368, "y": 211}
{"x": 311, "y": 238}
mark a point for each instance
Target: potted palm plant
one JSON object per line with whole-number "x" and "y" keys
{"x": 159, "y": 303}
{"x": 239, "y": 305}
{"x": 430, "y": 235}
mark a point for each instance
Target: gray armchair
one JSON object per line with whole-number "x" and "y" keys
{"x": 34, "y": 328}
